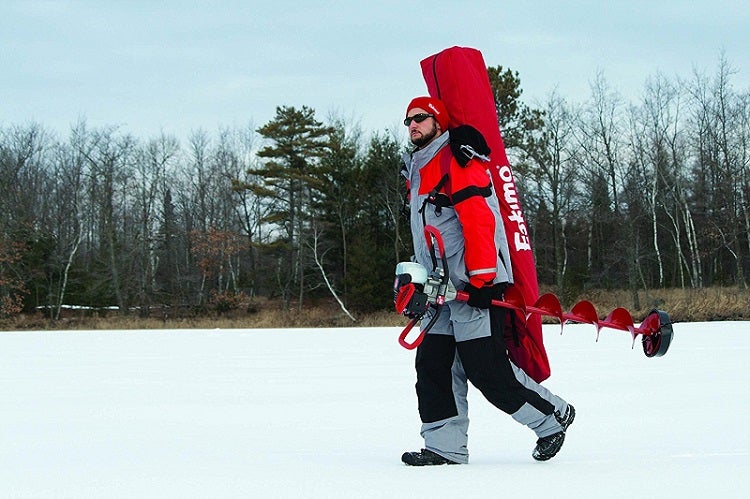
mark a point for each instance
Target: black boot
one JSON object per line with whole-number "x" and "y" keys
{"x": 424, "y": 458}
{"x": 547, "y": 447}
{"x": 566, "y": 419}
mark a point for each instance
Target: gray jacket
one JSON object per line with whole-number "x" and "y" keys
{"x": 448, "y": 220}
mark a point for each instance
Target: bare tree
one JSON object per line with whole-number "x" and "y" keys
{"x": 601, "y": 140}
{"x": 658, "y": 150}
{"x": 111, "y": 159}
{"x": 319, "y": 256}
{"x": 150, "y": 182}
{"x": 68, "y": 221}
{"x": 23, "y": 203}
{"x": 720, "y": 145}
{"x": 553, "y": 170}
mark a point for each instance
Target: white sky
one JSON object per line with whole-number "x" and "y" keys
{"x": 177, "y": 66}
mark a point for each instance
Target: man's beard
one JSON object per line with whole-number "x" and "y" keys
{"x": 425, "y": 139}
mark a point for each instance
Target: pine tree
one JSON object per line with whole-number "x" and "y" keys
{"x": 290, "y": 179}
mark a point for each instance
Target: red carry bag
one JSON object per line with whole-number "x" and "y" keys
{"x": 458, "y": 76}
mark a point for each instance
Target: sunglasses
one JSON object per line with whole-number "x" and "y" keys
{"x": 419, "y": 118}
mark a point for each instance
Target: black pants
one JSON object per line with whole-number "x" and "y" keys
{"x": 486, "y": 364}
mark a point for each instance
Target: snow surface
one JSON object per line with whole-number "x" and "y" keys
{"x": 328, "y": 413}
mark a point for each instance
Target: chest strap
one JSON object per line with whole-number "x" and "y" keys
{"x": 435, "y": 197}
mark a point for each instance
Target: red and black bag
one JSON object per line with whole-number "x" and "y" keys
{"x": 458, "y": 76}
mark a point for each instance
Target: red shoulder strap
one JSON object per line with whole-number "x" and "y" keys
{"x": 445, "y": 168}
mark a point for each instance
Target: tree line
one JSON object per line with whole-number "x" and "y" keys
{"x": 636, "y": 196}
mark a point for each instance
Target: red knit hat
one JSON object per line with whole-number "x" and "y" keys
{"x": 433, "y": 106}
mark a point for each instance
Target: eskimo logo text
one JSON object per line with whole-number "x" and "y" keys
{"x": 520, "y": 236}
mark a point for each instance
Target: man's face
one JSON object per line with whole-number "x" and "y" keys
{"x": 421, "y": 133}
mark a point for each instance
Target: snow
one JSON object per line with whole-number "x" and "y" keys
{"x": 328, "y": 412}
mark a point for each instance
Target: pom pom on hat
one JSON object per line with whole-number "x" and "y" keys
{"x": 433, "y": 106}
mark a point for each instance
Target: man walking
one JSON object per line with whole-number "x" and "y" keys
{"x": 465, "y": 343}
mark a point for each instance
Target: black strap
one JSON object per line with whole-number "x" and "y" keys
{"x": 434, "y": 75}
{"x": 435, "y": 197}
{"x": 471, "y": 191}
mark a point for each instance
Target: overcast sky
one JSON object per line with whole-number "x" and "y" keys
{"x": 177, "y": 66}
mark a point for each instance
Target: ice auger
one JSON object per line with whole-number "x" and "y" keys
{"x": 418, "y": 291}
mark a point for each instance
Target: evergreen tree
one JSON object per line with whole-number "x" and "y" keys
{"x": 518, "y": 122}
{"x": 381, "y": 236}
{"x": 291, "y": 180}
{"x": 338, "y": 208}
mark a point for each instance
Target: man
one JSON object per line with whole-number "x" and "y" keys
{"x": 465, "y": 343}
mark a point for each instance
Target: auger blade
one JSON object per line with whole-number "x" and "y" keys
{"x": 621, "y": 319}
{"x": 548, "y": 304}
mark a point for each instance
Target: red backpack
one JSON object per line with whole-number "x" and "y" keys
{"x": 458, "y": 76}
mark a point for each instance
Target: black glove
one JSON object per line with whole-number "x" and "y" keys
{"x": 480, "y": 297}
{"x": 466, "y": 142}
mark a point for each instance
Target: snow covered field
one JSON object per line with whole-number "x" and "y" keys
{"x": 328, "y": 412}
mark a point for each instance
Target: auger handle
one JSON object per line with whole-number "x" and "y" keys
{"x": 402, "y": 337}
{"x": 509, "y": 302}
{"x": 414, "y": 344}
